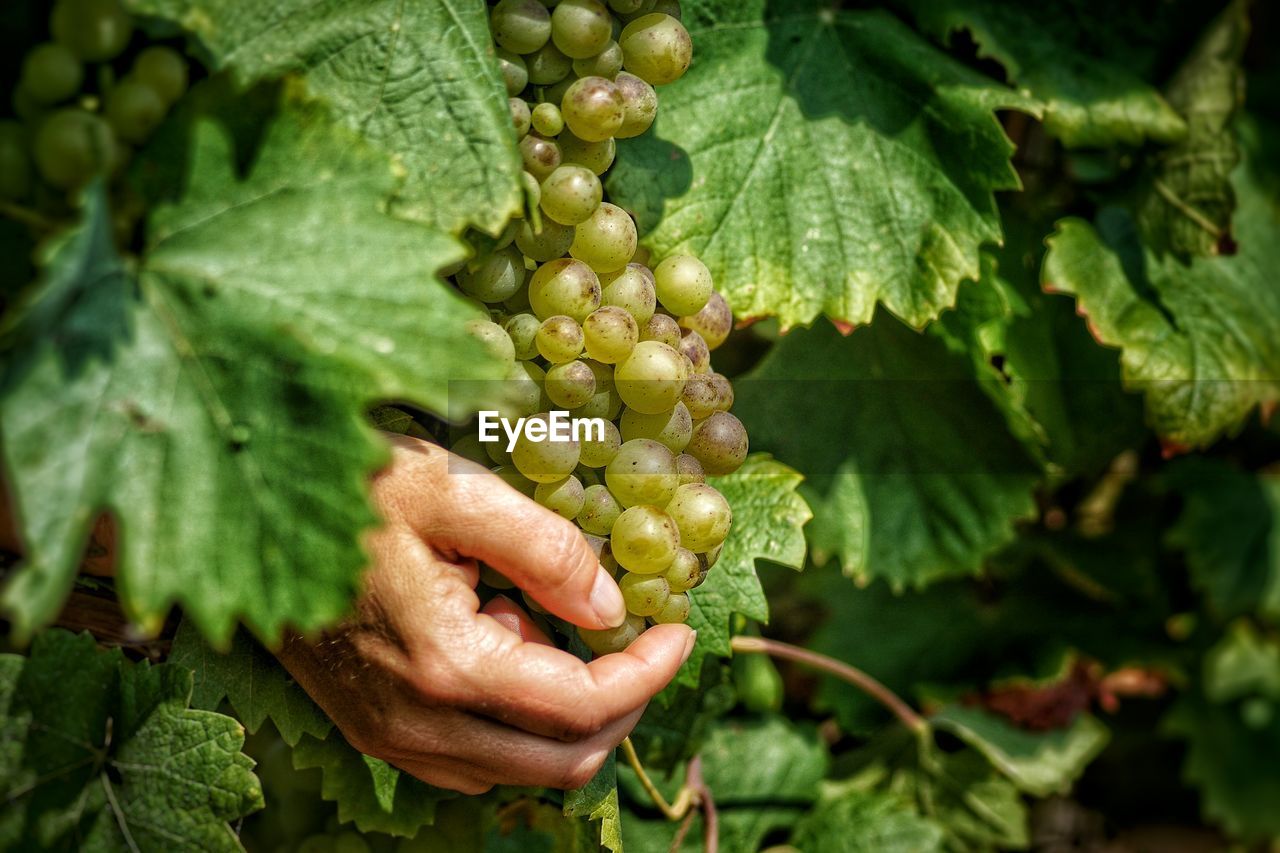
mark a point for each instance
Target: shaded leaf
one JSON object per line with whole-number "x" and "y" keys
{"x": 598, "y": 801}
{"x": 854, "y": 820}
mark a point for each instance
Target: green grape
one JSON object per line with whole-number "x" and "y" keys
{"x": 642, "y": 472}
{"x": 706, "y": 393}
{"x": 497, "y": 450}
{"x": 713, "y": 322}
{"x": 662, "y": 329}
{"x": 651, "y": 378}
{"x": 317, "y": 843}
{"x": 609, "y": 334}
{"x": 94, "y": 30}
{"x": 521, "y": 26}
{"x": 571, "y": 194}
{"x": 552, "y": 242}
{"x": 596, "y": 156}
{"x": 571, "y": 384}
{"x": 71, "y": 147}
{"x": 689, "y": 469}
{"x": 51, "y": 73}
{"x": 523, "y": 390}
{"x": 560, "y": 340}
{"x": 606, "y": 404}
{"x": 563, "y": 497}
{"x": 639, "y": 105}
{"x": 592, "y": 108}
{"x": 644, "y": 540}
{"x": 656, "y": 48}
{"x": 644, "y": 595}
{"x": 134, "y": 110}
{"x": 349, "y": 842}
{"x": 494, "y": 338}
{"x": 710, "y": 558}
{"x": 581, "y": 28}
{"x": 541, "y": 459}
{"x": 523, "y": 331}
{"x": 612, "y": 640}
{"x": 720, "y": 443}
{"x": 515, "y": 74}
{"x": 547, "y": 119}
{"x": 685, "y": 572}
{"x": 513, "y": 478}
{"x": 625, "y": 7}
{"x": 607, "y": 63}
{"x": 695, "y": 349}
{"x": 165, "y": 71}
{"x": 669, "y": 7}
{"x": 517, "y": 303}
{"x": 494, "y": 278}
{"x": 508, "y": 235}
{"x": 564, "y": 286}
{"x": 599, "y": 511}
{"x": 631, "y": 290}
{"x": 556, "y": 91}
{"x": 547, "y": 65}
{"x": 675, "y": 611}
{"x": 606, "y": 240}
{"x": 15, "y": 163}
{"x": 597, "y": 453}
{"x": 521, "y": 118}
{"x": 671, "y": 429}
{"x": 683, "y": 283}
{"x": 540, "y": 156}
{"x": 471, "y": 448}
{"x": 702, "y": 515}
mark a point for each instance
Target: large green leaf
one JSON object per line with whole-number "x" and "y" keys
{"x": 852, "y": 820}
{"x": 1199, "y": 340}
{"x": 100, "y": 754}
{"x": 911, "y": 471}
{"x": 419, "y": 81}
{"x": 598, "y": 801}
{"x": 210, "y": 397}
{"x": 821, "y": 160}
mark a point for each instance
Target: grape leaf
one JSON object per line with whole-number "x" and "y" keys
{"x": 369, "y": 792}
{"x": 840, "y": 160}
{"x": 851, "y": 820}
{"x": 1076, "y": 57}
{"x": 1199, "y": 340}
{"x": 97, "y": 753}
{"x": 252, "y": 680}
{"x": 598, "y": 800}
{"x": 911, "y": 471}
{"x": 767, "y": 519}
{"x": 1243, "y": 663}
{"x": 419, "y": 82}
{"x": 212, "y": 401}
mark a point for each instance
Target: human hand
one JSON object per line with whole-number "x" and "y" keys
{"x": 466, "y": 698}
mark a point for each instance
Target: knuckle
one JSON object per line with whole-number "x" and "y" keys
{"x": 581, "y": 724}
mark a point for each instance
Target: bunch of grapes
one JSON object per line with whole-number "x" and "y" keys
{"x": 82, "y": 105}
{"x": 590, "y": 328}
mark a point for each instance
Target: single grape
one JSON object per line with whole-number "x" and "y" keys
{"x": 689, "y": 469}
{"x": 599, "y": 511}
{"x": 625, "y": 7}
{"x": 702, "y": 515}
{"x": 656, "y": 48}
{"x": 684, "y": 572}
{"x": 134, "y": 110}
{"x": 683, "y": 283}
{"x": 668, "y": 7}
{"x": 51, "y": 73}
{"x": 521, "y": 118}
{"x": 564, "y": 286}
{"x": 15, "y": 163}
{"x": 596, "y": 156}
{"x": 609, "y": 334}
{"x": 522, "y": 394}
{"x": 71, "y": 147}
{"x": 471, "y": 448}
{"x": 593, "y": 108}
{"x": 651, "y": 378}
{"x": 706, "y": 393}
{"x": 513, "y": 478}
{"x": 644, "y": 540}
{"x": 720, "y": 443}
{"x": 607, "y": 63}
{"x": 571, "y": 194}
{"x": 493, "y": 278}
{"x": 710, "y": 558}
{"x": 494, "y": 338}
{"x": 547, "y": 119}
{"x": 540, "y": 156}
{"x": 521, "y": 26}
{"x": 560, "y": 339}
{"x": 515, "y": 74}
{"x": 695, "y": 349}
{"x": 581, "y": 28}
{"x": 164, "y": 70}
{"x": 675, "y": 611}
{"x": 713, "y": 322}
{"x": 671, "y": 429}
{"x": 541, "y": 459}
{"x": 606, "y": 240}
{"x": 563, "y": 497}
{"x": 523, "y": 331}
{"x": 94, "y": 30}
{"x": 547, "y": 65}
{"x": 612, "y": 640}
{"x": 642, "y": 472}
{"x": 597, "y": 453}
{"x": 639, "y": 105}
{"x": 552, "y": 242}
{"x": 631, "y": 290}
{"x": 662, "y": 329}
{"x": 645, "y": 595}
{"x": 571, "y": 384}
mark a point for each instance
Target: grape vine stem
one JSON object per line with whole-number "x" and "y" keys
{"x": 840, "y": 669}
{"x": 671, "y": 811}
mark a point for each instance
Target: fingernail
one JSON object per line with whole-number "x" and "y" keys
{"x": 688, "y": 646}
{"x": 606, "y": 600}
